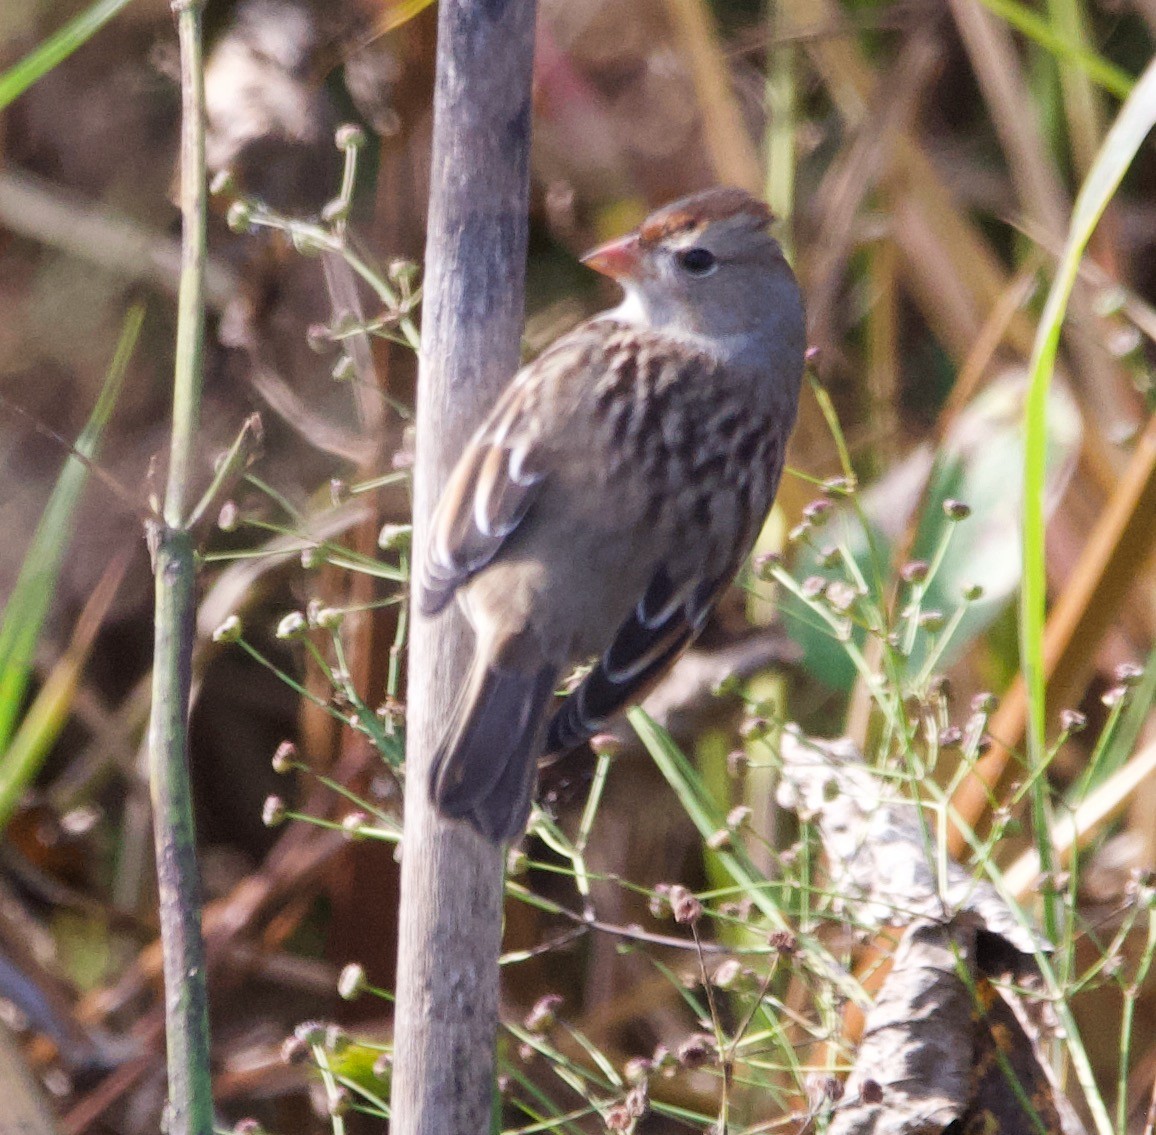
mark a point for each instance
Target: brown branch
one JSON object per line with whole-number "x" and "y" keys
{"x": 451, "y": 902}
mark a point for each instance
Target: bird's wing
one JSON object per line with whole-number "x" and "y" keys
{"x": 673, "y": 609}
{"x": 664, "y": 622}
{"x": 505, "y": 465}
{"x": 487, "y": 496}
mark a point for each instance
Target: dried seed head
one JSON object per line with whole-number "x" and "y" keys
{"x": 1128, "y": 674}
{"x": 842, "y": 595}
{"x": 354, "y": 825}
{"x": 1113, "y": 697}
{"x": 686, "y": 908}
{"x": 737, "y": 762}
{"x": 318, "y": 337}
{"x": 638, "y": 1100}
{"x": 950, "y": 737}
{"x": 544, "y": 1015}
{"x": 983, "y": 703}
{"x": 285, "y": 758}
{"x": 274, "y": 812}
{"x": 932, "y": 621}
{"x": 816, "y": 511}
{"x": 972, "y": 592}
{"x": 696, "y": 1050}
{"x": 292, "y": 626}
{"x": 618, "y": 1118}
{"x": 813, "y": 586}
{"x": 392, "y": 710}
{"x": 230, "y": 630}
{"x": 765, "y": 563}
{"x": 229, "y": 517}
{"x": 349, "y": 136}
{"x": 311, "y": 1032}
{"x": 351, "y": 982}
{"x": 783, "y": 942}
{"x": 719, "y": 840}
{"x": 914, "y": 571}
{"x": 726, "y": 973}
{"x": 738, "y": 816}
{"x": 956, "y": 510}
{"x": 1072, "y": 720}
{"x": 239, "y": 217}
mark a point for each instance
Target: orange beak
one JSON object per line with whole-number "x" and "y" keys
{"x": 619, "y": 259}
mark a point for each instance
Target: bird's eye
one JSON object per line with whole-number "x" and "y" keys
{"x": 698, "y": 261}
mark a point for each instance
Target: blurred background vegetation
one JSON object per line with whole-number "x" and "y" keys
{"x": 923, "y": 158}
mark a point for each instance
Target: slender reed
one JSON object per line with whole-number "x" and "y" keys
{"x": 186, "y": 1009}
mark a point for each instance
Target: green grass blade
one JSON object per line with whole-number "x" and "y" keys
{"x": 41, "y": 724}
{"x": 56, "y": 48}
{"x": 23, "y": 616}
{"x": 1136, "y": 118}
{"x": 1041, "y": 31}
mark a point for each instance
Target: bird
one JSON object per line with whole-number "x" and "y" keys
{"x": 612, "y": 494}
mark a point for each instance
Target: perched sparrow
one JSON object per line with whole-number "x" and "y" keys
{"x": 613, "y": 493}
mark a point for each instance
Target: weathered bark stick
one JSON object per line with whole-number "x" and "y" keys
{"x": 451, "y": 903}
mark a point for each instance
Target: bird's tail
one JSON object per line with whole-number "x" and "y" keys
{"x": 486, "y": 766}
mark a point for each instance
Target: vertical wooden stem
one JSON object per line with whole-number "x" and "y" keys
{"x": 451, "y": 900}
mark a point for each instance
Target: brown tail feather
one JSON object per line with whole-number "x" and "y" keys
{"x": 486, "y": 766}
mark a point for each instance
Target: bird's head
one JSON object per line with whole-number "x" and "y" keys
{"x": 706, "y": 266}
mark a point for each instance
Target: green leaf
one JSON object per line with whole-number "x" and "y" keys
{"x": 23, "y": 616}
{"x": 1135, "y": 120}
{"x": 58, "y": 47}
{"x": 1037, "y": 28}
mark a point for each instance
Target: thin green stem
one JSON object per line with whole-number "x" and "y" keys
{"x": 190, "y": 345}
{"x": 186, "y": 1005}
{"x": 174, "y": 561}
